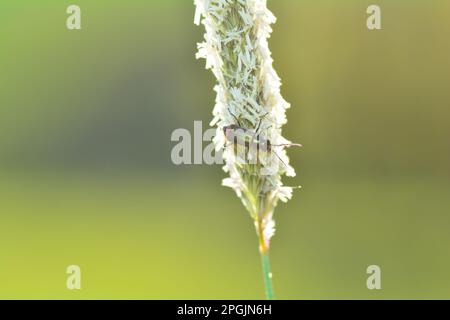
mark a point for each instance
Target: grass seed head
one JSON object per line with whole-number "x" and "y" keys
{"x": 248, "y": 90}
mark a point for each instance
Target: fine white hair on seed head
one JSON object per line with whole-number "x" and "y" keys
{"x": 236, "y": 49}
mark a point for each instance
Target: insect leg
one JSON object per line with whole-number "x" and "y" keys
{"x": 279, "y": 158}
{"x": 258, "y": 126}
{"x": 235, "y": 118}
{"x": 260, "y": 121}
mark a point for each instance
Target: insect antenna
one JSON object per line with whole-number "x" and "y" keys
{"x": 288, "y": 145}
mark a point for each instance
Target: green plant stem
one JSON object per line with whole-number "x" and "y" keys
{"x": 267, "y": 275}
{"x": 264, "y": 251}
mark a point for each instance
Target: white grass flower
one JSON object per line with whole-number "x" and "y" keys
{"x": 248, "y": 91}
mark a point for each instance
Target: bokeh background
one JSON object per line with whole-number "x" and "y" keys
{"x": 86, "y": 178}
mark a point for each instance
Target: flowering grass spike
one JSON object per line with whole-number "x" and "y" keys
{"x": 248, "y": 97}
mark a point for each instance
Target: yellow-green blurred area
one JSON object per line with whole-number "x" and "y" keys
{"x": 86, "y": 177}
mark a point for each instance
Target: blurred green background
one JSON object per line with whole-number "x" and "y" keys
{"x": 86, "y": 177}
